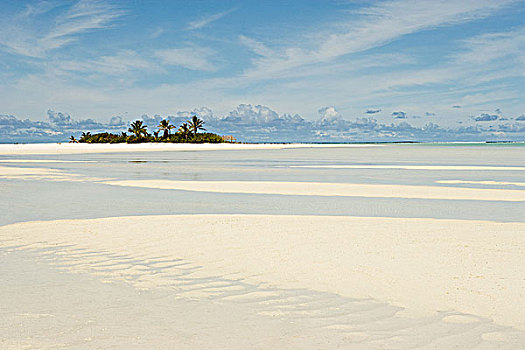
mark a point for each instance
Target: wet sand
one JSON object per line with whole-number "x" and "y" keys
{"x": 331, "y": 189}
{"x": 425, "y": 265}
{"x": 318, "y": 281}
{"x": 83, "y": 148}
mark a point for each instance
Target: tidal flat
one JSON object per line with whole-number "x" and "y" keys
{"x": 270, "y": 246}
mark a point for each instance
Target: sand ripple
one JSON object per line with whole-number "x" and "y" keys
{"x": 315, "y": 319}
{"x": 426, "y": 265}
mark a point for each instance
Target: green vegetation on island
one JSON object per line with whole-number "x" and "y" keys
{"x": 188, "y": 132}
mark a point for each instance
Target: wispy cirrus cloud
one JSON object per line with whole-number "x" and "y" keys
{"x": 190, "y": 57}
{"x": 208, "y": 19}
{"x": 476, "y": 62}
{"x": 256, "y": 47}
{"x": 364, "y": 56}
{"x": 491, "y": 47}
{"x": 25, "y": 35}
{"x": 374, "y": 26}
{"x": 120, "y": 63}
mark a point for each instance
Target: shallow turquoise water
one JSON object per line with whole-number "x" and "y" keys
{"x": 22, "y": 200}
{"x": 51, "y": 306}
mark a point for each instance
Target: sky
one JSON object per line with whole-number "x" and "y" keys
{"x": 322, "y": 70}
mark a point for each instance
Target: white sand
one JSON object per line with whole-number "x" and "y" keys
{"x": 281, "y": 188}
{"x": 261, "y": 281}
{"x": 413, "y": 167}
{"x": 11, "y": 172}
{"x": 74, "y": 148}
{"x": 331, "y": 189}
{"x": 44, "y": 161}
{"x": 484, "y": 182}
{"x": 17, "y": 173}
{"x": 424, "y": 265}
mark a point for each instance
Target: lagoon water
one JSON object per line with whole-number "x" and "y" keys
{"x": 24, "y": 200}
{"x": 36, "y": 275}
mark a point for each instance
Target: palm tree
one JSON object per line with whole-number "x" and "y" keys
{"x": 166, "y": 126}
{"x": 72, "y": 139}
{"x": 196, "y": 124}
{"x": 138, "y": 129}
{"x": 185, "y": 131}
{"x": 85, "y": 137}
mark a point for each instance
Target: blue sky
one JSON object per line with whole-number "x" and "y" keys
{"x": 449, "y": 63}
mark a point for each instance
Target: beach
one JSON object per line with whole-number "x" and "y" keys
{"x": 83, "y": 148}
{"x": 263, "y": 246}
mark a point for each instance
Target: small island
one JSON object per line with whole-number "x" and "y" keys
{"x": 188, "y": 132}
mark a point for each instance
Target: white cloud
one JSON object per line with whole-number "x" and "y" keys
{"x": 261, "y": 123}
{"x": 204, "y": 21}
{"x": 20, "y": 34}
{"x": 399, "y": 115}
{"x": 315, "y": 72}
{"x": 256, "y": 114}
{"x": 456, "y": 78}
{"x": 121, "y": 63}
{"x": 299, "y": 76}
{"x": 492, "y": 47}
{"x": 191, "y": 57}
{"x": 329, "y": 114}
{"x": 256, "y": 46}
{"x": 377, "y": 25}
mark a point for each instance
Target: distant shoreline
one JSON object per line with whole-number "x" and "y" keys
{"x": 300, "y": 143}
{"x": 75, "y": 148}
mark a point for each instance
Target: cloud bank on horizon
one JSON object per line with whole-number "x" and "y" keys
{"x": 387, "y": 70}
{"x": 262, "y": 124}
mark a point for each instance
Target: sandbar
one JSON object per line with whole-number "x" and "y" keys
{"x": 414, "y": 167}
{"x": 77, "y": 148}
{"x": 481, "y": 182}
{"x": 331, "y": 189}
{"x": 423, "y": 265}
